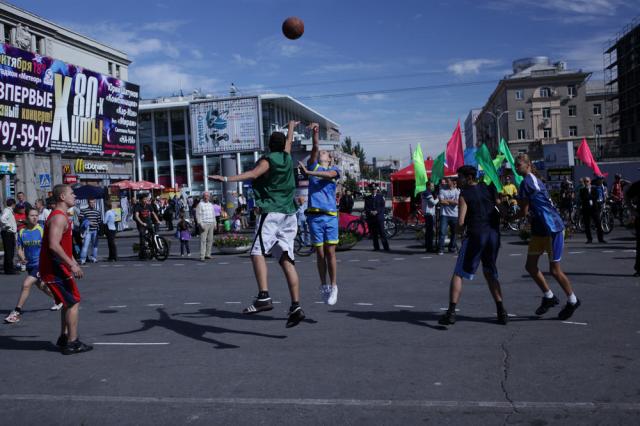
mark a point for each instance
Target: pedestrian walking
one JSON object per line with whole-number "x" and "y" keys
{"x": 90, "y": 241}
{"x": 322, "y": 214}
{"x": 374, "y": 207}
{"x": 479, "y": 223}
{"x": 547, "y": 235}
{"x": 207, "y": 223}
{"x": 111, "y": 230}
{"x": 429, "y": 203}
{"x": 9, "y": 230}
{"x": 29, "y": 245}
{"x": 274, "y": 188}
{"x": 591, "y": 207}
{"x": 59, "y": 270}
{"x": 448, "y": 198}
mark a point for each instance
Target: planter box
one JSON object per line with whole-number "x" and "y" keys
{"x": 234, "y": 250}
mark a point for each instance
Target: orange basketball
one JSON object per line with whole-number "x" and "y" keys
{"x": 293, "y": 28}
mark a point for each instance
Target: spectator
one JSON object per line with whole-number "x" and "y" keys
{"x": 9, "y": 230}
{"x": 374, "y": 206}
{"x": 21, "y": 217}
{"x": 207, "y": 221}
{"x": 591, "y": 207}
{"x": 110, "y": 222}
{"x": 429, "y": 203}
{"x": 303, "y": 226}
{"x": 22, "y": 202}
{"x": 184, "y": 234}
{"x": 217, "y": 210}
{"x": 43, "y": 212}
{"x": 346, "y": 203}
{"x": 93, "y": 216}
{"x": 237, "y": 221}
{"x": 144, "y": 217}
{"x": 448, "y": 198}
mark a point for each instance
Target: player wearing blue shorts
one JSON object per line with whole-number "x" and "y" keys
{"x": 29, "y": 243}
{"x": 478, "y": 214}
{"x": 547, "y": 235}
{"x": 322, "y": 215}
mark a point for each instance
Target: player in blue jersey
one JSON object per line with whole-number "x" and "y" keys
{"x": 322, "y": 214}
{"x": 29, "y": 243}
{"x": 547, "y": 235}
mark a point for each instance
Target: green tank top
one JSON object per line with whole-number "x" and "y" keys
{"x": 274, "y": 191}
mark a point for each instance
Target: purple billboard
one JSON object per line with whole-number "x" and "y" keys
{"x": 47, "y": 105}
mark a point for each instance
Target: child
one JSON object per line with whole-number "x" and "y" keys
{"x": 184, "y": 234}
{"x": 237, "y": 222}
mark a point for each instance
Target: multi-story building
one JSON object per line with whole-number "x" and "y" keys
{"x": 348, "y": 164}
{"x": 543, "y": 103}
{"x": 622, "y": 76}
{"x": 165, "y": 141}
{"x": 95, "y": 145}
{"x": 470, "y": 131}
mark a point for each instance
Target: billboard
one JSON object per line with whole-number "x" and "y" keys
{"x": 226, "y": 125}
{"x": 558, "y": 155}
{"x": 47, "y": 105}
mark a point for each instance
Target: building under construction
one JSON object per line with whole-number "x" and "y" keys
{"x": 622, "y": 86}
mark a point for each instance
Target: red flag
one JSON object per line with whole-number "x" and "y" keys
{"x": 584, "y": 154}
{"x": 455, "y": 154}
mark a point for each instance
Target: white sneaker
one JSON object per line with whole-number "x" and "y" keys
{"x": 325, "y": 292}
{"x": 56, "y": 307}
{"x": 13, "y": 317}
{"x": 333, "y": 295}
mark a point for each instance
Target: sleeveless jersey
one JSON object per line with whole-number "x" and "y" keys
{"x": 51, "y": 266}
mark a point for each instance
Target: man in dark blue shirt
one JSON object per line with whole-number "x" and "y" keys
{"x": 374, "y": 207}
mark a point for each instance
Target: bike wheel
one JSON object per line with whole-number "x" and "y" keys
{"x": 162, "y": 249}
{"x": 357, "y": 228}
{"x": 302, "y": 244}
{"x": 606, "y": 220}
{"x": 390, "y": 228}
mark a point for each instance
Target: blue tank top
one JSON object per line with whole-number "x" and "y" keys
{"x": 482, "y": 215}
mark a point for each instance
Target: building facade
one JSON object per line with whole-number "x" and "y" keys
{"x": 622, "y": 76}
{"x": 165, "y": 155}
{"x": 543, "y": 103}
{"x": 35, "y": 171}
{"x": 470, "y": 131}
{"x": 348, "y": 164}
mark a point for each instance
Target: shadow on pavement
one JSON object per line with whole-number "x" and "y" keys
{"x": 11, "y": 343}
{"x": 192, "y": 330}
{"x": 216, "y": 313}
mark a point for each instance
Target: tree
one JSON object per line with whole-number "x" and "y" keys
{"x": 350, "y": 184}
{"x": 347, "y": 145}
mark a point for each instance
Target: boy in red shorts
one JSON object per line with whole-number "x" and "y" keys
{"x": 58, "y": 269}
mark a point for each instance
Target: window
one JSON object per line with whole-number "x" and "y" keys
{"x": 572, "y": 91}
{"x": 519, "y": 114}
{"x": 521, "y": 134}
{"x": 40, "y": 45}
{"x": 546, "y": 112}
{"x": 519, "y": 94}
{"x": 110, "y": 68}
{"x": 117, "y": 71}
{"x": 162, "y": 151}
{"x": 162, "y": 124}
{"x": 7, "y": 33}
{"x": 547, "y": 132}
{"x": 597, "y": 109}
{"x": 573, "y": 111}
{"x": 545, "y": 92}
{"x": 573, "y": 130}
{"x": 598, "y": 129}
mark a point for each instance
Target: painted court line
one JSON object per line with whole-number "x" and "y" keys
{"x": 193, "y": 303}
{"x": 574, "y": 323}
{"x": 155, "y": 304}
{"x": 576, "y": 252}
{"x": 363, "y": 304}
{"x": 403, "y": 306}
{"x": 354, "y": 260}
{"x": 608, "y": 251}
{"x": 232, "y": 303}
{"x": 319, "y": 303}
{"x": 446, "y": 309}
{"x": 505, "y": 406}
{"x": 178, "y": 264}
{"x": 374, "y": 260}
{"x": 223, "y": 263}
{"x": 629, "y": 251}
{"x": 118, "y": 306}
{"x": 425, "y": 257}
{"x": 131, "y": 343}
{"x": 398, "y": 258}
{"x": 515, "y": 254}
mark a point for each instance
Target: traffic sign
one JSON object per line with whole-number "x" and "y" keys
{"x": 45, "y": 181}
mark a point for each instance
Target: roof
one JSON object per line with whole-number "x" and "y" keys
{"x": 286, "y": 101}
{"x": 408, "y": 173}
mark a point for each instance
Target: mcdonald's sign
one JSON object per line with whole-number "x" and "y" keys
{"x": 66, "y": 169}
{"x": 82, "y": 166}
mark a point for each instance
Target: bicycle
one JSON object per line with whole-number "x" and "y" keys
{"x": 155, "y": 246}
{"x": 360, "y": 228}
{"x": 302, "y": 244}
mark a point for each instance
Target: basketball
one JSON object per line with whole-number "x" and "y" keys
{"x": 293, "y": 28}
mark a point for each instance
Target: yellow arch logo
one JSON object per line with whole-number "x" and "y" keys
{"x": 79, "y": 165}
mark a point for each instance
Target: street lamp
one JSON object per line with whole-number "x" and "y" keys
{"x": 497, "y": 118}
{"x": 597, "y": 137}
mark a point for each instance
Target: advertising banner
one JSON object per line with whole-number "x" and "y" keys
{"x": 226, "y": 125}
{"x": 558, "y": 155}
{"x": 47, "y": 105}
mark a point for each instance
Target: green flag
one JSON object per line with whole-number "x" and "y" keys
{"x": 504, "y": 150}
{"x": 497, "y": 163}
{"x": 483, "y": 156}
{"x": 420, "y": 171}
{"x": 437, "y": 171}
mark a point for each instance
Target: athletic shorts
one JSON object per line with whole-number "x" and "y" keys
{"x": 323, "y": 229}
{"x": 33, "y": 271}
{"x": 275, "y": 232}
{"x": 476, "y": 248}
{"x": 552, "y": 244}
{"x": 64, "y": 290}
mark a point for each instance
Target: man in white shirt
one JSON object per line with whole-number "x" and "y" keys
{"x": 448, "y": 197}
{"x": 9, "y": 229}
{"x": 207, "y": 220}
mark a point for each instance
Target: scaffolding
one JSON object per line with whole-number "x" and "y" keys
{"x": 621, "y": 66}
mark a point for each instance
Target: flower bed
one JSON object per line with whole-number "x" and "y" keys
{"x": 233, "y": 243}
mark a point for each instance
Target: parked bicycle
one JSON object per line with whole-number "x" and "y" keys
{"x": 302, "y": 244}
{"x": 360, "y": 228}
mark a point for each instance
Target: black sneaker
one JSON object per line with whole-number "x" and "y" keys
{"x": 295, "y": 316}
{"x": 62, "y": 341}
{"x": 259, "y": 305}
{"x": 449, "y": 318}
{"x": 76, "y": 347}
{"x": 547, "y": 303}
{"x": 503, "y": 317}
{"x": 568, "y": 310}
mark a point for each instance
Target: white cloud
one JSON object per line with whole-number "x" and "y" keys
{"x": 166, "y": 78}
{"x": 163, "y": 26}
{"x": 243, "y": 61}
{"x": 344, "y": 67}
{"x": 471, "y": 66}
{"x": 585, "y": 53}
{"x": 197, "y": 54}
{"x": 567, "y": 11}
{"x": 370, "y": 98}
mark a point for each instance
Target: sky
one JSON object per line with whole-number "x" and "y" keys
{"x": 391, "y": 74}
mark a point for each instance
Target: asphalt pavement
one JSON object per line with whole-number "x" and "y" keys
{"x": 172, "y": 347}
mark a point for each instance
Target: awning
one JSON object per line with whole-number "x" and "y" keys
{"x": 409, "y": 174}
{"x": 137, "y": 186}
{"x": 7, "y": 168}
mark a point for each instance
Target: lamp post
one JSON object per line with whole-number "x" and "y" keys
{"x": 497, "y": 117}
{"x": 597, "y": 137}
